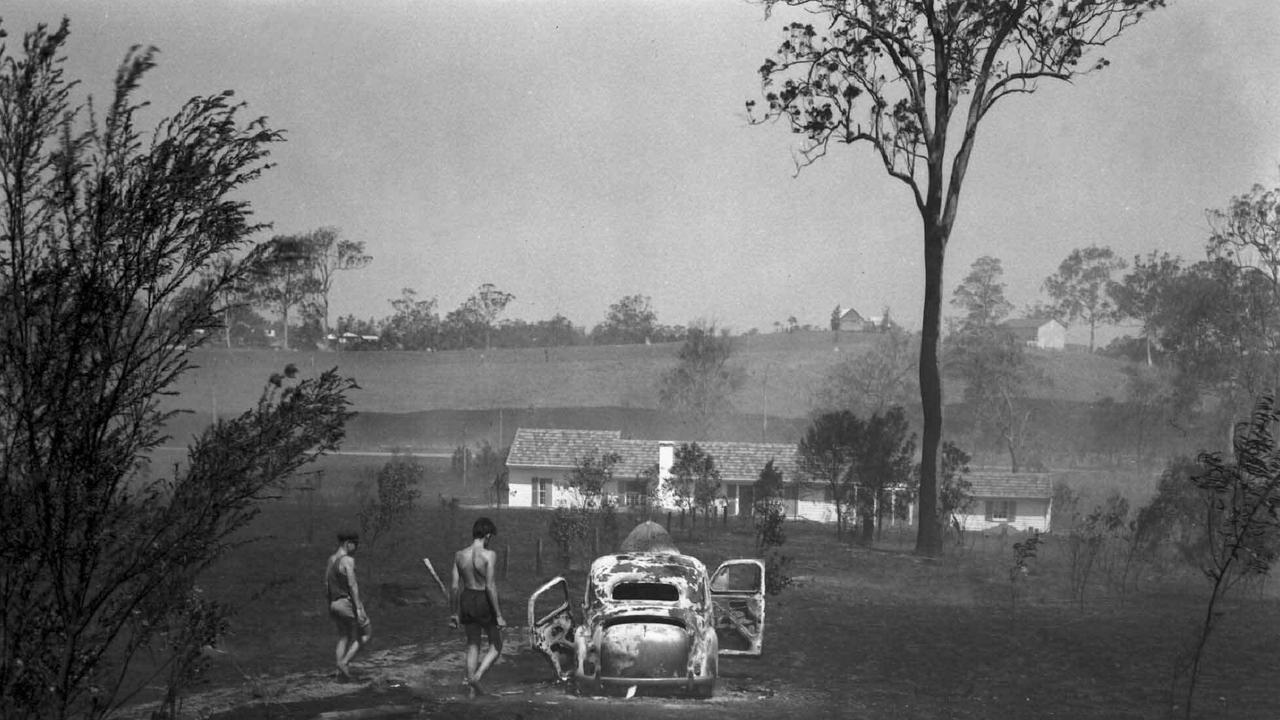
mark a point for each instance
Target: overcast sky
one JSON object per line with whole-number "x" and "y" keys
{"x": 576, "y": 152}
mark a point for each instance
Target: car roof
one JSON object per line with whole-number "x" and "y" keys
{"x": 647, "y": 566}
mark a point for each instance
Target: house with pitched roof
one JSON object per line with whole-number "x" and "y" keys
{"x": 850, "y": 320}
{"x": 1020, "y": 502}
{"x": 541, "y": 461}
{"x": 1043, "y": 333}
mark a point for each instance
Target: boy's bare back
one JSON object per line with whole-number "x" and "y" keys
{"x": 474, "y": 567}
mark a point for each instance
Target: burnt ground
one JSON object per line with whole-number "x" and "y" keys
{"x": 865, "y": 633}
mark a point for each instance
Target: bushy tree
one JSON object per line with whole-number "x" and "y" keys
{"x": 414, "y": 324}
{"x": 1139, "y": 294}
{"x": 981, "y": 294}
{"x": 331, "y": 254}
{"x": 955, "y": 491}
{"x": 630, "y": 320}
{"x": 568, "y": 529}
{"x": 913, "y": 82}
{"x": 556, "y": 332}
{"x": 872, "y": 382}
{"x": 828, "y": 455}
{"x": 695, "y": 479}
{"x": 396, "y": 490}
{"x": 885, "y": 467}
{"x": 996, "y": 373}
{"x": 1082, "y": 287}
{"x": 485, "y": 305}
{"x": 768, "y": 516}
{"x": 101, "y": 229}
{"x": 590, "y": 475}
{"x": 283, "y": 280}
{"x": 699, "y": 387}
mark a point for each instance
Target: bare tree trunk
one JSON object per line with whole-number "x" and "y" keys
{"x": 928, "y": 537}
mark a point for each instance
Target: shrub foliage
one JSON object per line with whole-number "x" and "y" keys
{"x": 113, "y": 255}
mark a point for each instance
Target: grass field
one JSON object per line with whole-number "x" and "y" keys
{"x": 865, "y": 633}
{"x": 782, "y": 371}
{"x": 433, "y": 402}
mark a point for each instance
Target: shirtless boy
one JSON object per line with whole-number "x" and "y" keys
{"x": 475, "y": 602}
{"x": 345, "y": 606}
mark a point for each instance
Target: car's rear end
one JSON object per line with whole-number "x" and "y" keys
{"x": 647, "y": 628}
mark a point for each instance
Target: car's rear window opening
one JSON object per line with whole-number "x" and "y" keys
{"x": 659, "y": 592}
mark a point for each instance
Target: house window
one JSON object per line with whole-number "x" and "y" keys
{"x": 542, "y": 492}
{"x": 634, "y": 492}
{"x": 1000, "y": 510}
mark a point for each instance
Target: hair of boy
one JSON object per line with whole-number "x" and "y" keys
{"x": 482, "y": 527}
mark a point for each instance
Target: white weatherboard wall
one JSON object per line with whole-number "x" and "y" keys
{"x": 520, "y": 481}
{"x": 1028, "y": 514}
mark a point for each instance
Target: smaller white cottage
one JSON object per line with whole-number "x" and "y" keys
{"x": 1043, "y": 333}
{"x": 1021, "y": 502}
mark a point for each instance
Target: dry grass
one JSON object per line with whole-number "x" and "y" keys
{"x": 782, "y": 370}
{"x": 865, "y": 633}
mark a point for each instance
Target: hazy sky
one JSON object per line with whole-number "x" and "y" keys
{"x": 576, "y": 152}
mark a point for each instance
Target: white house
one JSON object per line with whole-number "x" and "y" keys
{"x": 542, "y": 459}
{"x": 851, "y": 320}
{"x": 1022, "y": 502}
{"x": 1046, "y": 334}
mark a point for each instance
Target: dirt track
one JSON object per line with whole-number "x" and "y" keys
{"x": 423, "y": 681}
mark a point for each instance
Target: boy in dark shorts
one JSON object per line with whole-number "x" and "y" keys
{"x": 475, "y": 601}
{"x": 345, "y": 606}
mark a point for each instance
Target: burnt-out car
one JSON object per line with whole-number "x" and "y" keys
{"x": 651, "y": 622}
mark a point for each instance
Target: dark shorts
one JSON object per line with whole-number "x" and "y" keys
{"x": 345, "y": 617}
{"x": 475, "y": 608}
{"x": 476, "y": 614}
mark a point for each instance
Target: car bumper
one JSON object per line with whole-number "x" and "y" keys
{"x": 688, "y": 687}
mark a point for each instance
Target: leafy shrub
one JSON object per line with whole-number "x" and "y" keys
{"x": 569, "y": 529}
{"x": 776, "y": 576}
{"x": 397, "y": 492}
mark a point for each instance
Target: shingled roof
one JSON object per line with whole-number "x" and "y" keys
{"x": 550, "y": 448}
{"x": 1005, "y": 485}
{"x": 742, "y": 461}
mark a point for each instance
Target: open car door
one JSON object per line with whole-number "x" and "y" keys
{"x": 551, "y": 625}
{"x": 737, "y": 591}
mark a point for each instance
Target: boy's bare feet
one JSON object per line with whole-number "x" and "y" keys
{"x": 473, "y": 688}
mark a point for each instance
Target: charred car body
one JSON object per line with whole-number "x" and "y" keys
{"x": 654, "y": 621}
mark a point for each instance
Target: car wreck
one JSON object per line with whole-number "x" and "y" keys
{"x": 652, "y": 620}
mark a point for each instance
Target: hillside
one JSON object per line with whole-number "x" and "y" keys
{"x": 440, "y": 398}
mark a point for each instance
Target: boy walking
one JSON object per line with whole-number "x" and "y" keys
{"x": 345, "y": 606}
{"x": 475, "y": 601}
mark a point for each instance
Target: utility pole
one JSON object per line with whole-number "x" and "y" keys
{"x": 764, "y": 406}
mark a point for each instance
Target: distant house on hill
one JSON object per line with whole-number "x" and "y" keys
{"x": 541, "y": 461}
{"x": 1021, "y": 502}
{"x": 1043, "y": 333}
{"x": 851, "y": 320}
